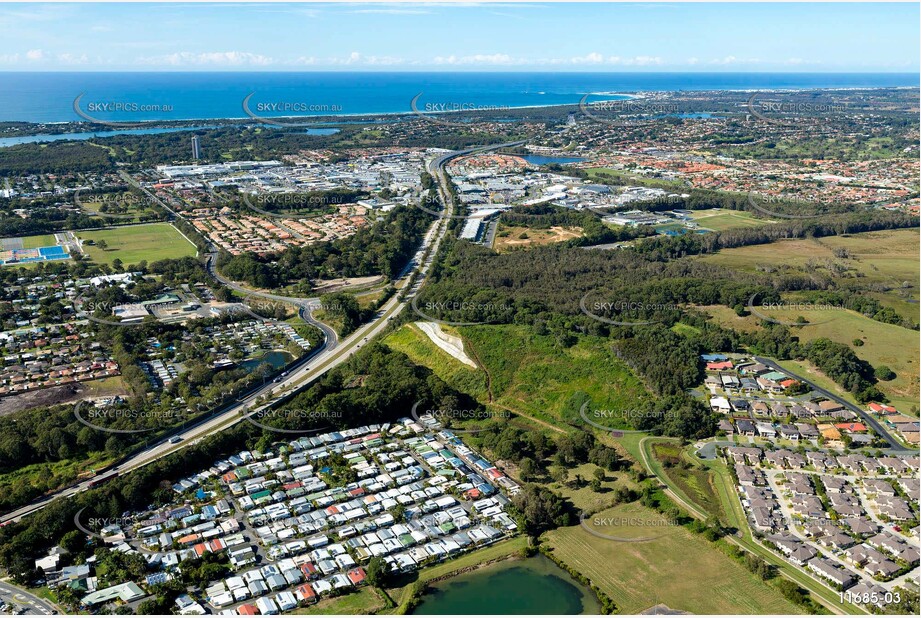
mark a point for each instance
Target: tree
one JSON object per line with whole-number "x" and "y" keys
{"x": 542, "y": 509}
{"x": 377, "y": 572}
{"x": 528, "y": 469}
{"x": 884, "y": 373}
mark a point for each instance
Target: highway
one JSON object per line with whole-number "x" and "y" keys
{"x": 333, "y": 354}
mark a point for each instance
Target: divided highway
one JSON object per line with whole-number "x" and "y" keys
{"x": 333, "y": 353}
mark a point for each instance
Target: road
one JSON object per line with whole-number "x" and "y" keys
{"x": 14, "y": 595}
{"x": 324, "y": 360}
{"x": 867, "y": 418}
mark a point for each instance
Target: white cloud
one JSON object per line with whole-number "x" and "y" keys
{"x": 733, "y": 60}
{"x": 229, "y": 58}
{"x": 393, "y": 11}
{"x": 592, "y": 58}
{"x": 485, "y": 59}
{"x": 68, "y": 58}
{"x": 35, "y": 54}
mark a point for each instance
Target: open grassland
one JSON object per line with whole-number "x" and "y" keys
{"x": 679, "y": 569}
{"x": 585, "y": 498}
{"x": 532, "y": 374}
{"x": 883, "y": 344}
{"x": 514, "y": 237}
{"x": 719, "y": 219}
{"x": 529, "y": 374}
{"x": 364, "y": 601}
{"x": 886, "y": 260}
{"x": 133, "y": 243}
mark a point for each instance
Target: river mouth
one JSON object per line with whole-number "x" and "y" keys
{"x": 530, "y": 586}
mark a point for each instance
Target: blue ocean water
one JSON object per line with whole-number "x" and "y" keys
{"x": 136, "y": 97}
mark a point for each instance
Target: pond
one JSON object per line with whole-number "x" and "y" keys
{"x": 531, "y": 586}
{"x": 276, "y": 358}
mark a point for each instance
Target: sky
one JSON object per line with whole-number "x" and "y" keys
{"x": 787, "y": 37}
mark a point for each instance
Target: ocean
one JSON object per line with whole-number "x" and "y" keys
{"x": 137, "y": 97}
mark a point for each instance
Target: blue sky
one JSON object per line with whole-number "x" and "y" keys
{"x": 469, "y": 37}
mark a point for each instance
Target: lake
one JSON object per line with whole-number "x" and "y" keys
{"x": 542, "y": 160}
{"x": 276, "y": 358}
{"x": 531, "y": 586}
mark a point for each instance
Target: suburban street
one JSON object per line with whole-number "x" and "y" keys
{"x": 15, "y": 596}
{"x": 867, "y": 418}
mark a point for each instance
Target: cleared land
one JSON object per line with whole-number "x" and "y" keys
{"x": 513, "y": 237}
{"x": 530, "y": 374}
{"x": 718, "y": 219}
{"x": 885, "y": 263}
{"x": 450, "y": 343}
{"x": 883, "y": 344}
{"x": 678, "y": 569}
{"x": 133, "y": 243}
{"x": 365, "y": 601}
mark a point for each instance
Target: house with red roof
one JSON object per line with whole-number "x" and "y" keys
{"x": 851, "y": 427}
{"x": 719, "y": 366}
{"x": 248, "y": 609}
{"x": 306, "y": 594}
{"x": 356, "y": 576}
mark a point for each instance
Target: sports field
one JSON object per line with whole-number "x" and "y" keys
{"x": 679, "y": 569}
{"x": 133, "y": 243}
{"x": 42, "y": 240}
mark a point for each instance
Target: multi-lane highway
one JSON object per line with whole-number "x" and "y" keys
{"x": 331, "y": 355}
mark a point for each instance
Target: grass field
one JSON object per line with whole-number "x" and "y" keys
{"x": 584, "y": 498}
{"x": 718, "y": 219}
{"x": 512, "y": 237}
{"x": 363, "y": 601}
{"x": 42, "y": 240}
{"x": 886, "y": 259}
{"x": 532, "y": 374}
{"x": 131, "y": 244}
{"x": 679, "y": 569}
{"x": 528, "y": 373}
{"x": 884, "y": 344}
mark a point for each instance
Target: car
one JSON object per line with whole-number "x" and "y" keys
{"x": 175, "y": 440}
